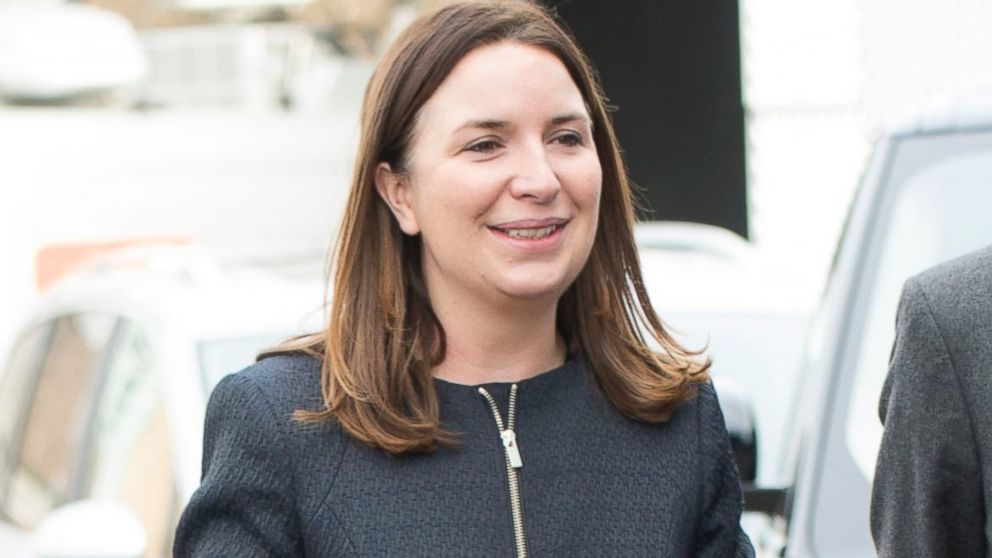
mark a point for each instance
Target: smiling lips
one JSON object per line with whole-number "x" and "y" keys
{"x": 529, "y": 233}
{"x": 530, "y": 230}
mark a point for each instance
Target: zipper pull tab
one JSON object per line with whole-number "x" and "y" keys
{"x": 509, "y": 438}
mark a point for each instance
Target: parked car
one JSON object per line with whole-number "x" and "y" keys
{"x": 925, "y": 198}
{"x": 715, "y": 292}
{"x": 103, "y": 397}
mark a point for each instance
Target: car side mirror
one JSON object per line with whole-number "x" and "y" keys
{"x": 90, "y": 528}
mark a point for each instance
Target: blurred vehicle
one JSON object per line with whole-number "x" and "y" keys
{"x": 103, "y": 396}
{"x": 715, "y": 292}
{"x": 61, "y": 52}
{"x": 924, "y": 199}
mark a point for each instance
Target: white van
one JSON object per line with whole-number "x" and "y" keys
{"x": 926, "y": 198}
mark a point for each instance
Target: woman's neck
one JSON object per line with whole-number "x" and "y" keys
{"x": 505, "y": 346}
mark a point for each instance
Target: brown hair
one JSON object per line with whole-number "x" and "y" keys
{"x": 383, "y": 339}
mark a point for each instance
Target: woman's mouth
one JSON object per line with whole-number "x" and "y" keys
{"x": 529, "y": 234}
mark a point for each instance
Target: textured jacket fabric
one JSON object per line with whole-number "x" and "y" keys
{"x": 593, "y": 483}
{"x": 933, "y": 483}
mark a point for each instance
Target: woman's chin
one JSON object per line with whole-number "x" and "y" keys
{"x": 534, "y": 291}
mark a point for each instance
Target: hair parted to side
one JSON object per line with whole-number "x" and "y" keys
{"x": 383, "y": 340}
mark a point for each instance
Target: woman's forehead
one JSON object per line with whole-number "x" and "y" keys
{"x": 501, "y": 84}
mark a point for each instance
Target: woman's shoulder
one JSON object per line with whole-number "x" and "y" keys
{"x": 708, "y": 413}
{"x": 275, "y": 388}
{"x": 703, "y": 416}
{"x": 261, "y": 465}
{"x": 702, "y": 406}
{"x": 706, "y": 400}
{"x": 291, "y": 376}
{"x": 699, "y": 420}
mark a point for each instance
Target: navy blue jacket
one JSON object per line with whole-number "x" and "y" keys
{"x": 593, "y": 483}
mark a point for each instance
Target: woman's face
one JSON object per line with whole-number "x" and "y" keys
{"x": 504, "y": 180}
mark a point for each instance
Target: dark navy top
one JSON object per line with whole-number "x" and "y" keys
{"x": 593, "y": 482}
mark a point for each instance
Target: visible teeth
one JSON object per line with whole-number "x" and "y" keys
{"x": 530, "y": 233}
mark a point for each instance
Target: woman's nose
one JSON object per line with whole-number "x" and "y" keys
{"x": 534, "y": 177}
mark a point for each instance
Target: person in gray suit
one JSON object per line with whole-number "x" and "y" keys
{"x": 933, "y": 480}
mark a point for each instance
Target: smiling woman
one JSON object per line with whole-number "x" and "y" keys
{"x": 484, "y": 385}
{"x": 505, "y": 197}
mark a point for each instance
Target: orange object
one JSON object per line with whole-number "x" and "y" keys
{"x": 58, "y": 260}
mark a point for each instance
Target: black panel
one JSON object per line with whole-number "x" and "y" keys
{"x": 672, "y": 70}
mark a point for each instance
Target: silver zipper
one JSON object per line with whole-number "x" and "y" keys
{"x": 513, "y": 462}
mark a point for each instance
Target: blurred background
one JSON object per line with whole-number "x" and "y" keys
{"x": 232, "y": 123}
{"x": 173, "y": 171}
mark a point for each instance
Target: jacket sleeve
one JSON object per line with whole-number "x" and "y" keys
{"x": 244, "y": 506}
{"x": 719, "y": 533}
{"x": 927, "y": 492}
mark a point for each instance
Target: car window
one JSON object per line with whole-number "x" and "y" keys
{"x": 129, "y": 452}
{"x": 19, "y": 375}
{"x": 942, "y": 213}
{"x": 58, "y": 411}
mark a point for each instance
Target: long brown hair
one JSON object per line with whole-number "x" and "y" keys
{"x": 383, "y": 340}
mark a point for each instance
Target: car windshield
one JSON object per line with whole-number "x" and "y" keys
{"x": 220, "y": 357}
{"x": 941, "y": 212}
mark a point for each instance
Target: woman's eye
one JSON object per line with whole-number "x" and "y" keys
{"x": 484, "y": 146}
{"x": 569, "y": 139}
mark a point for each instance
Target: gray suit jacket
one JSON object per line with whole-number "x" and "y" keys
{"x": 933, "y": 482}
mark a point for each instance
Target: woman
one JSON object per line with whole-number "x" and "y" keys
{"x": 483, "y": 386}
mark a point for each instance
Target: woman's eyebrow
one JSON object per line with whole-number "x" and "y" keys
{"x": 494, "y": 124}
{"x": 566, "y": 118}
{"x": 487, "y": 124}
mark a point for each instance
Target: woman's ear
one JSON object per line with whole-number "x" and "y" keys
{"x": 394, "y": 189}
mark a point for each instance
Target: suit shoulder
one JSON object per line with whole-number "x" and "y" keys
{"x": 956, "y": 292}
{"x": 972, "y": 271}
